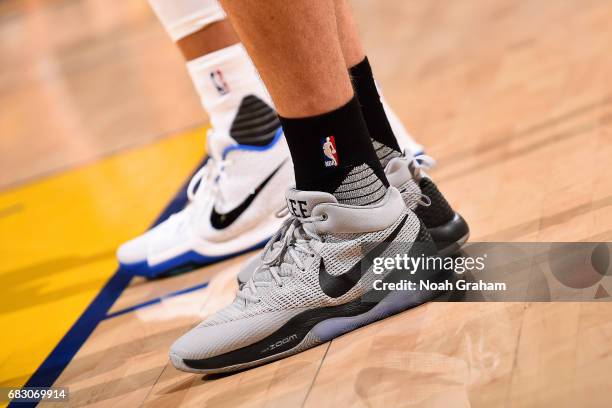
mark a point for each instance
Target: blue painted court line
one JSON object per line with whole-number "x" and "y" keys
{"x": 97, "y": 311}
{"x": 156, "y": 300}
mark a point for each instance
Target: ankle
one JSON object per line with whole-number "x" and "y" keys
{"x": 371, "y": 105}
{"x": 333, "y": 153}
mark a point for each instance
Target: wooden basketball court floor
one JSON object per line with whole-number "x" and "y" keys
{"x": 100, "y": 128}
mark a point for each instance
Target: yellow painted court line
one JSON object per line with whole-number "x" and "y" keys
{"x": 58, "y": 239}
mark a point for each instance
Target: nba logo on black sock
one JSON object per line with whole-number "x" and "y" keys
{"x": 330, "y": 155}
{"x": 218, "y": 81}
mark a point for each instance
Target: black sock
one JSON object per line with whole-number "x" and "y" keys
{"x": 350, "y": 170}
{"x": 385, "y": 143}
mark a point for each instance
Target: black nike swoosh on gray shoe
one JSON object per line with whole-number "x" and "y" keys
{"x": 335, "y": 286}
{"x": 220, "y": 221}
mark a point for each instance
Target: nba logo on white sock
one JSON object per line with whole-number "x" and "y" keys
{"x": 328, "y": 144}
{"x": 217, "y": 79}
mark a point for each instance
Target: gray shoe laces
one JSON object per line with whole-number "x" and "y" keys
{"x": 282, "y": 256}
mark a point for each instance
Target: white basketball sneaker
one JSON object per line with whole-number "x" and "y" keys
{"x": 317, "y": 281}
{"x": 233, "y": 200}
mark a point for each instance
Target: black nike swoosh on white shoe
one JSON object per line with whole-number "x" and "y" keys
{"x": 220, "y": 221}
{"x": 335, "y": 286}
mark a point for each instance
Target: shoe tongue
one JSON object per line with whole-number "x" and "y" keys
{"x": 398, "y": 171}
{"x": 301, "y": 203}
{"x": 217, "y": 143}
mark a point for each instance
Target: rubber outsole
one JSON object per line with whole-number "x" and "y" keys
{"x": 393, "y": 303}
{"x": 183, "y": 263}
{"x": 451, "y": 236}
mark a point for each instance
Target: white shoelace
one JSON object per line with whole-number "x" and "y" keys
{"x": 208, "y": 176}
{"x": 424, "y": 161}
{"x": 289, "y": 242}
{"x": 419, "y": 163}
{"x": 203, "y": 187}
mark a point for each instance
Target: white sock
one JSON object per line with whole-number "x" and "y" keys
{"x": 223, "y": 79}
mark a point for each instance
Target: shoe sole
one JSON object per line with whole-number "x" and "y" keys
{"x": 183, "y": 263}
{"x": 451, "y": 236}
{"x": 393, "y": 303}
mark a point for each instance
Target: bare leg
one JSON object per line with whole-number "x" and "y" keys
{"x": 352, "y": 48}
{"x": 211, "y": 38}
{"x": 295, "y": 46}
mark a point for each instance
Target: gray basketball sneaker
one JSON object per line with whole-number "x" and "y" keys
{"x": 447, "y": 228}
{"x": 317, "y": 281}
